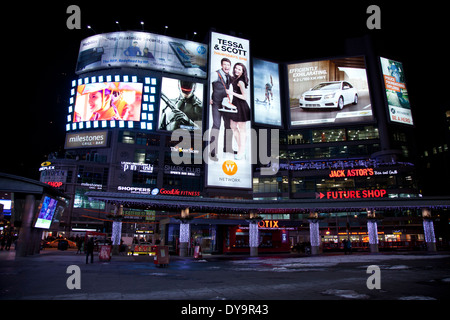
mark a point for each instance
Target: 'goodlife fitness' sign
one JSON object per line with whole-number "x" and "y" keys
{"x": 156, "y": 191}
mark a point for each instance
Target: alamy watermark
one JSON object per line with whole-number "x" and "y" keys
{"x": 74, "y": 280}
{"x": 374, "y": 280}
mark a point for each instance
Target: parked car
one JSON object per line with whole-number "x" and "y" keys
{"x": 61, "y": 243}
{"x": 332, "y": 94}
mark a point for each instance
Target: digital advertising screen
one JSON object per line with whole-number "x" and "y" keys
{"x": 46, "y": 213}
{"x": 396, "y": 92}
{"x": 266, "y": 91}
{"x": 113, "y": 101}
{"x": 329, "y": 91}
{"x": 142, "y": 50}
{"x": 181, "y": 105}
{"x": 108, "y": 101}
{"x": 229, "y": 113}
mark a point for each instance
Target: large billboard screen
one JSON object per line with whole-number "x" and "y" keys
{"x": 111, "y": 101}
{"x": 108, "y": 101}
{"x": 229, "y": 114}
{"x": 142, "y": 50}
{"x": 181, "y": 105}
{"x": 266, "y": 89}
{"x": 46, "y": 212}
{"x": 396, "y": 93}
{"x": 329, "y": 91}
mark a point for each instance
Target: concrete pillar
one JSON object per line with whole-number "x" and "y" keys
{"x": 116, "y": 235}
{"x": 185, "y": 236}
{"x": 253, "y": 233}
{"x": 314, "y": 236}
{"x": 25, "y": 236}
{"x": 428, "y": 230}
{"x": 372, "y": 230}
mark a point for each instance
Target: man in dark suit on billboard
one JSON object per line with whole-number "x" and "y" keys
{"x": 220, "y": 81}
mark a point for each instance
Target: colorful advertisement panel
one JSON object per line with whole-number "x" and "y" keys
{"x": 266, "y": 88}
{"x": 181, "y": 105}
{"x": 108, "y": 101}
{"x": 229, "y": 114}
{"x": 329, "y": 91}
{"x": 142, "y": 50}
{"x": 396, "y": 93}
{"x": 46, "y": 213}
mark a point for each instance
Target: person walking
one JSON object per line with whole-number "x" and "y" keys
{"x": 79, "y": 244}
{"x": 90, "y": 250}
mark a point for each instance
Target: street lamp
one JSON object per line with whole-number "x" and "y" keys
{"x": 89, "y": 27}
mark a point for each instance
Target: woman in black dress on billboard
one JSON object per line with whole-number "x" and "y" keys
{"x": 239, "y": 120}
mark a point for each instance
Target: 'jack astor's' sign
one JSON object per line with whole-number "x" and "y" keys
{"x": 351, "y": 173}
{"x": 352, "y": 194}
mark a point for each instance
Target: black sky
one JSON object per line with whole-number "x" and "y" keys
{"x": 41, "y": 52}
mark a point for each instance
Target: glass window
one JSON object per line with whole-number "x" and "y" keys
{"x": 362, "y": 133}
{"x": 139, "y": 155}
{"x": 127, "y": 137}
{"x": 144, "y": 179}
{"x": 329, "y": 135}
{"x": 82, "y": 201}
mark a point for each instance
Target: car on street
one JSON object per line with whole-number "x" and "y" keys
{"x": 57, "y": 243}
{"x": 332, "y": 94}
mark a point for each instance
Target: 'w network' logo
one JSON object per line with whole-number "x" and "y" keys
{"x": 229, "y": 167}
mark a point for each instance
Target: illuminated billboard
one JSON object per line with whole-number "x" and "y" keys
{"x": 142, "y": 50}
{"x": 266, "y": 89}
{"x": 46, "y": 211}
{"x": 229, "y": 114}
{"x": 112, "y": 101}
{"x": 181, "y": 105}
{"x": 108, "y": 101}
{"x": 396, "y": 93}
{"x": 329, "y": 91}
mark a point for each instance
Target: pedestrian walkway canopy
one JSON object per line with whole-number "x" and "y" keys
{"x": 217, "y": 205}
{"x": 12, "y": 183}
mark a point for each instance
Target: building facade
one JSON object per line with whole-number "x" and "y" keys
{"x": 334, "y": 128}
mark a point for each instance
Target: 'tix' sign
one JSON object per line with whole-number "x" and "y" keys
{"x": 268, "y": 224}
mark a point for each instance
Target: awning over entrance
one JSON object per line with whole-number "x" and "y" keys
{"x": 218, "y": 205}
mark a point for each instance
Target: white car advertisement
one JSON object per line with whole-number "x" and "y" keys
{"x": 329, "y": 91}
{"x": 334, "y": 94}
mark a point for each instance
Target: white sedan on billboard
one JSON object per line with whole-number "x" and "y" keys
{"x": 332, "y": 94}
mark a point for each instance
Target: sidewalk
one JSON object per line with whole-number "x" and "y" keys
{"x": 236, "y": 277}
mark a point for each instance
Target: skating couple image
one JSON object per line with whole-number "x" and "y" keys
{"x": 231, "y": 105}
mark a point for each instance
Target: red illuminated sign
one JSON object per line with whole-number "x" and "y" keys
{"x": 352, "y": 194}
{"x": 54, "y": 184}
{"x": 178, "y": 192}
{"x": 351, "y": 173}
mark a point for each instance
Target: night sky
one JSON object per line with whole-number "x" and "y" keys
{"x": 40, "y": 53}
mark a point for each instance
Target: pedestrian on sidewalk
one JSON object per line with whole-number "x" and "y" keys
{"x": 345, "y": 245}
{"x": 79, "y": 244}
{"x": 90, "y": 250}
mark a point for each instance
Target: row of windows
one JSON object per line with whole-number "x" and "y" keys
{"x": 330, "y": 152}
{"x": 141, "y": 179}
{"x": 332, "y": 135}
{"x": 301, "y": 184}
{"x": 301, "y": 137}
